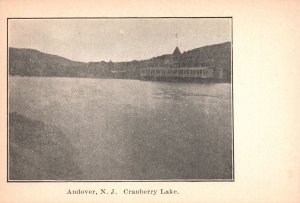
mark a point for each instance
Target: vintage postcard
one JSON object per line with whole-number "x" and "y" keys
{"x": 149, "y": 101}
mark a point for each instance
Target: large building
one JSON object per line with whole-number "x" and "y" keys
{"x": 178, "y": 67}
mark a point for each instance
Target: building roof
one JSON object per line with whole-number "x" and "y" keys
{"x": 176, "y": 51}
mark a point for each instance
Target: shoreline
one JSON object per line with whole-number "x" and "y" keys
{"x": 175, "y": 80}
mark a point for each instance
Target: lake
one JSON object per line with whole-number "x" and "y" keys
{"x": 134, "y": 130}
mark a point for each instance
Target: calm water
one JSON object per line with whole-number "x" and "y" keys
{"x": 129, "y": 129}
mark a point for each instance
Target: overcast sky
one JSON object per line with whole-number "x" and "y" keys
{"x": 116, "y": 39}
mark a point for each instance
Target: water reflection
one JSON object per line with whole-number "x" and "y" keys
{"x": 179, "y": 94}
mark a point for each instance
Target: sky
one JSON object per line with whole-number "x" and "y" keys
{"x": 117, "y": 40}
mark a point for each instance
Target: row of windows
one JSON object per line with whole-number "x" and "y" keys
{"x": 190, "y": 64}
{"x": 180, "y": 72}
{"x": 186, "y": 64}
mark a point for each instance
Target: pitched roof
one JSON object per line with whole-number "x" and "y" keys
{"x": 176, "y": 51}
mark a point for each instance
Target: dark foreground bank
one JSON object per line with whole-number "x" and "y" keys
{"x": 38, "y": 151}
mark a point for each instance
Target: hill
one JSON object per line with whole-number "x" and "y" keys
{"x": 29, "y": 62}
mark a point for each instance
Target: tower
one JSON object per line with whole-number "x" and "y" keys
{"x": 176, "y": 56}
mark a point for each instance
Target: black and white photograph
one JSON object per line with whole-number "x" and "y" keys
{"x": 120, "y": 99}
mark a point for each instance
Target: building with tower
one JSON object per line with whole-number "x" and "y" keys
{"x": 175, "y": 66}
